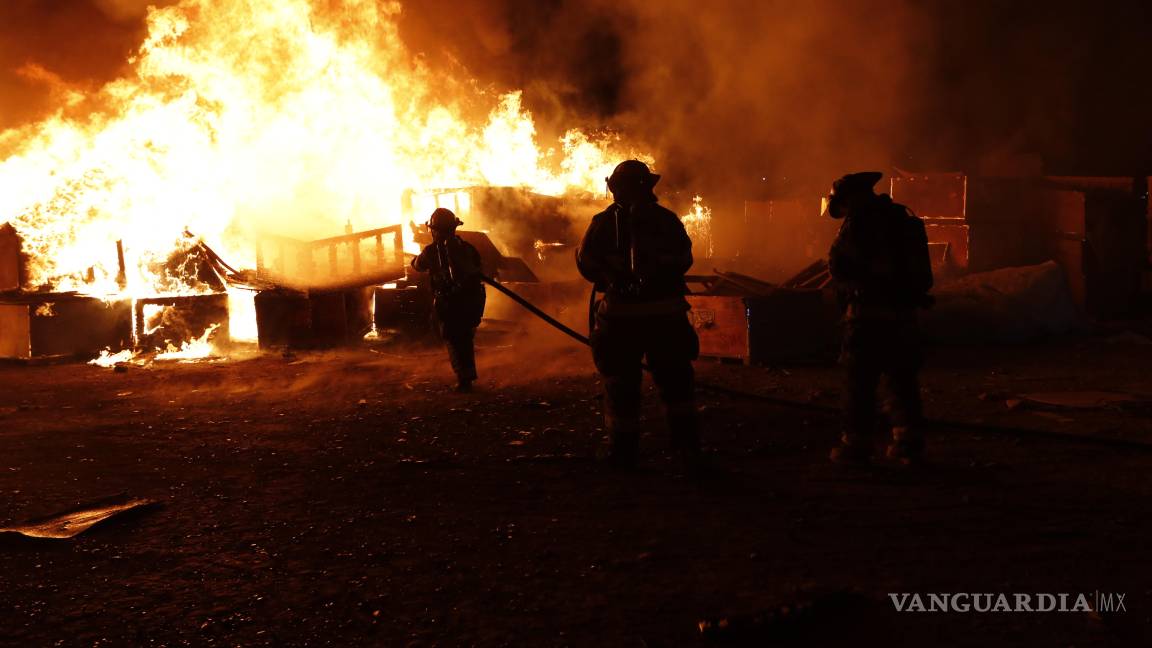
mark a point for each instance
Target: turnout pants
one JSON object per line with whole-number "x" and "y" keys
{"x": 460, "y": 340}
{"x": 456, "y": 321}
{"x": 876, "y": 351}
{"x": 668, "y": 344}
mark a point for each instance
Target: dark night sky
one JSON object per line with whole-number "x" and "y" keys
{"x": 938, "y": 85}
{"x": 1068, "y": 79}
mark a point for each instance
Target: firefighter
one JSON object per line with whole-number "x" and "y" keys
{"x": 454, "y": 266}
{"x": 882, "y": 272}
{"x": 636, "y": 253}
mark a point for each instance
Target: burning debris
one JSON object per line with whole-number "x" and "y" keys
{"x": 110, "y": 360}
{"x": 261, "y": 177}
{"x": 44, "y": 324}
{"x": 363, "y": 258}
{"x": 162, "y": 323}
{"x": 698, "y": 223}
{"x": 197, "y": 138}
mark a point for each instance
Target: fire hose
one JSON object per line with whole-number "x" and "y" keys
{"x": 582, "y": 339}
{"x": 813, "y": 407}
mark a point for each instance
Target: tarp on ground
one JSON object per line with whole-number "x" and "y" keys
{"x": 77, "y": 520}
{"x": 1006, "y": 305}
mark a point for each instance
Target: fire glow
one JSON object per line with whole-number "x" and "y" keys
{"x": 247, "y": 116}
{"x": 698, "y": 224}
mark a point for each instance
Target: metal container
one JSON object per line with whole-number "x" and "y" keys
{"x": 783, "y": 326}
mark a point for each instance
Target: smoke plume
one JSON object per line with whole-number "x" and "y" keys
{"x": 742, "y": 95}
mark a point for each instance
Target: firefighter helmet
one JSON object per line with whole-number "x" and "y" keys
{"x": 631, "y": 172}
{"x": 854, "y": 183}
{"x": 443, "y": 220}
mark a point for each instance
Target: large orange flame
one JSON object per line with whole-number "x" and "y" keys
{"x": 242, "y": 116}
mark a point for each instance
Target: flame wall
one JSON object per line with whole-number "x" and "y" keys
{"x": 240, "y": 116}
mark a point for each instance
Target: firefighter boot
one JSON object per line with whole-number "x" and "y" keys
{"x": 684, "y": 436}
{"x": 624, "y": 439}
{"x": 854, "y": 450}
{"x": 907, "y": 446}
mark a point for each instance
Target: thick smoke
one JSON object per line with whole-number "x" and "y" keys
{"x": 48, "y": 47}
{"x": 781, "y": 89}
{"x": 724, "y": 92}
{"x": 128, "y": 10}
{"x": 729, "y": 92}
{"x": 732, "y": 91}
{"x": 735, "y": 99}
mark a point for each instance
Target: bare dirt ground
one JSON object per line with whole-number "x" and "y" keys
{"x": 348, "y": 498}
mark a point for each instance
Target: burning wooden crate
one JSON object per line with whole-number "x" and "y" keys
{"x": 42, "y": 325}
{"x": 324, "y": 294}
{"x": 174, "y": 321}
{"x": 313, "y": 318}
{"x": 360, "y": 258}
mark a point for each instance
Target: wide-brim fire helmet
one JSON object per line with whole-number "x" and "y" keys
{"x": 849, "y": 185}
{"x": 632, "y": 176}
{"x": 443, "y": 220}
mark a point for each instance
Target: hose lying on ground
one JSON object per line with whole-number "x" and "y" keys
{"x": 813, "y": 407}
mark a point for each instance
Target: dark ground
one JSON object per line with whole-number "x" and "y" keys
{"x": 348, "y": 499}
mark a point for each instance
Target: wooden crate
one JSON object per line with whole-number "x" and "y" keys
{"x": 45, "y": 325}
{"x": 312, "y": 319}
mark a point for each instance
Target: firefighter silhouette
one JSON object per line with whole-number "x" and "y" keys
{"x": 636, "y": 252}
{"x": 458, "y": 293}
{"x": 882, "y": 272}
